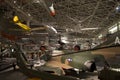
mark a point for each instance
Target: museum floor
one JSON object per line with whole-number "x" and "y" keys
{"x": 17, "y": 75}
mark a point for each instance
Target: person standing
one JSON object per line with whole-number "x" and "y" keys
{"x": 76, "y": 48}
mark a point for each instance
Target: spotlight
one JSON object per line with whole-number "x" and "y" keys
{"x": 118, "y": 8}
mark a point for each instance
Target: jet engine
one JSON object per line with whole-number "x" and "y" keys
{"x": 90, "y": 65}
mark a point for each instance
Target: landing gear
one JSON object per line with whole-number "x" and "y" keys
{"x": 70, "y": 72}
{"x": 92, "y": 67}
{"x": 14, "y": 66}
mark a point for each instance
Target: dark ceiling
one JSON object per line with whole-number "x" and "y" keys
{"x": 71, "y": 15}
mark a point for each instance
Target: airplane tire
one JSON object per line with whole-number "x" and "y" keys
{"x": 92, "y": 67}
{"x": 14, "y": 66}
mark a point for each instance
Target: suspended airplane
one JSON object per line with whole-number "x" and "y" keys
{"x": 16, "y": 27}
{"x": 49, "y": 6}
{"x": 55, "y": 67}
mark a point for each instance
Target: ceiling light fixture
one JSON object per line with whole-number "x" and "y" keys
{"x": 41, "y": 33}
{"x": 29, "y": 14}
{"x": 15, "y": 2}
{"x": 118, "y": 8}
{"x": 83, "y": 29}
{"x": 50, "y": 27}
{"x": 36, "y": 1}
{"x": 54, "y": 29}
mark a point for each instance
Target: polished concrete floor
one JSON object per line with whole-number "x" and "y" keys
{"x": 12, "y": 75}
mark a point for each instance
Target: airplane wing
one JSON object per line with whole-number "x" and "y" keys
{"x": 33, "y": 73}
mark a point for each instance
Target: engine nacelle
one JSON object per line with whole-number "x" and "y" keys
{"x": 90, "y": 65}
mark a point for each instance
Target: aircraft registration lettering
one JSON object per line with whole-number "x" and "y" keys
{"x": 117, "y": 40}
